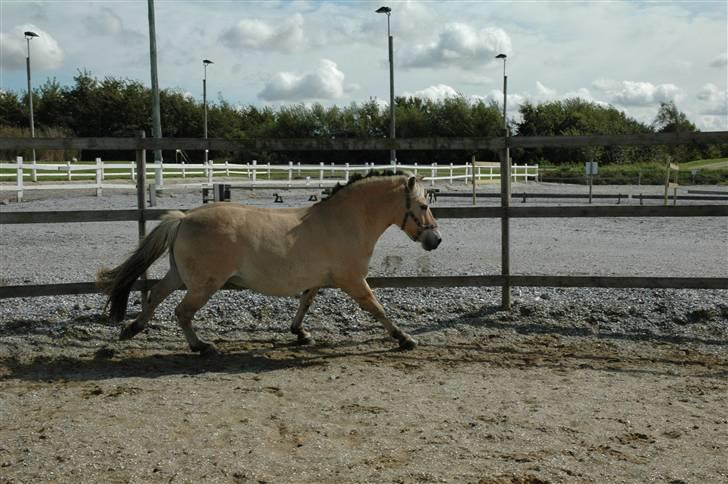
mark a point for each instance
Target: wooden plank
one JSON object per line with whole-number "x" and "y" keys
{"x": 363, "y": 144}
{"x": 439, "y": 212}
{"x": 433, "y": 281}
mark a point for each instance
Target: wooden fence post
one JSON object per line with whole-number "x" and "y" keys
{"x": 255, "y": 171}
{"x": 141, "y": 167}
{"x": 99, "y": 176}
{"x": 290, "y": 173}
{"x": 505, "y": 227}
{"x": 19, "y": 179}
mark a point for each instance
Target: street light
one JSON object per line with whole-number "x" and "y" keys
{"x": 29, "y": 35}
{"x": 505, "y": 88}
{"x": 388, "y": 11}
{"x": 205, "y": 63}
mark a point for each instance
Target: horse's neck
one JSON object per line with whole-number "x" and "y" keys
{"x": 371, "y": 208}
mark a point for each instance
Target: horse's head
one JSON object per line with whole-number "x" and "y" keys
{"x": 418, "y": 221}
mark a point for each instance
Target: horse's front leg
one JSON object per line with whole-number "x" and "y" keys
{"x": 304, "y": 337}
{"x": 363, "y": 295}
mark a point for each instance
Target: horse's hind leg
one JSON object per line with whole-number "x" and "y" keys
{"x": 363, "y": 295}
{"x": 159, "y": 293}
{"x": 185, "y": 311}
{"x": 304, "y": 337}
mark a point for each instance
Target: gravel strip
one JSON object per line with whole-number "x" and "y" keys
{"x": 37, "y": 254}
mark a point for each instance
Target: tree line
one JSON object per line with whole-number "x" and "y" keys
{"x": 114, "y": 107}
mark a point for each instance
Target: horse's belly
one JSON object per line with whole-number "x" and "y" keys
{"x": 278, "y": 283}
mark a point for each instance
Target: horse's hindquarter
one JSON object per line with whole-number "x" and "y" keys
{"x": 271, "y": 251}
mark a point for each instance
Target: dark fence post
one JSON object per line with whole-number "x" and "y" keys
{"x": 505, "y": 227}
{"x": 141, "y": 167}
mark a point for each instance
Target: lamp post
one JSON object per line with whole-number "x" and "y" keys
{"x": 388, "y": 11}
{"x": 156, "y": 116}
{"x": 505, "y": 200}
{"x": 29, "y": 35}
{"x": 205, "y": 63}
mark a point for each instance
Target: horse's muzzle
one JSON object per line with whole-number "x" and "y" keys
{"x": 430, "y": 239}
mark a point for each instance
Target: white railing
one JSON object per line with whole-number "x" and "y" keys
{"x": 101, "y": 174}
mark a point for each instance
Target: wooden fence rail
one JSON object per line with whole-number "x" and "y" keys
{"x": 428, "y": 281}
{"x": 362, "y": 144}
{"x": 132, "y": 215}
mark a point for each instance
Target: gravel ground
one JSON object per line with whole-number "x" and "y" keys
{"x": 572, "y": 385}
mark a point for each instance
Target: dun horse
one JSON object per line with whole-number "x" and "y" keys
{"x": 278, "y": 252}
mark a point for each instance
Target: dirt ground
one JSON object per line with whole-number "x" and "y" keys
{"x": 497, "y": 403}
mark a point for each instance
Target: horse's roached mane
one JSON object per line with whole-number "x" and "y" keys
{"x": 357, "y": 177}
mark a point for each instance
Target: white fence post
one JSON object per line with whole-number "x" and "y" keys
{"x": 227, "y": 168}
{"x": 434, "y": 174}
{"x": 19, "y": 179}
{"x": 33, "y": 171}
{"x": 290, "y": 173}
{"x": 451, "y": 179}
{"x": 99, "y": 176}
{"x": 346, "y": 173}
{"x": 268, "y": 166}
{"x": 210, "y": 171}
{"x": 255, "y": 171}
{"x": 299, "y": 168}
{"x": 321, "y": 174}
{"x": 184, "y": 171}
{"x": 68, "y": 170}
{"x": 415, "y": 168}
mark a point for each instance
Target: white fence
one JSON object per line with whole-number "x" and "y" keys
{"x": 111, "y": 175}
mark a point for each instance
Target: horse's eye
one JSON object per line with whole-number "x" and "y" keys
{"x": 423, "y": 207}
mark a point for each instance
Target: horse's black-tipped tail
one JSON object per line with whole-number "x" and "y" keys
{"x": 118, "y": 282}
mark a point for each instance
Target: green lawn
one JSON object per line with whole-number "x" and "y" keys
{"x": 714, "y": 164}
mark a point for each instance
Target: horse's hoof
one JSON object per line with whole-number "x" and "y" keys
{"x": 407, "y": 344}
{"x": 129, "y": 331}
{"x": 305, "y": 339}
{"x": 206, "y": 349}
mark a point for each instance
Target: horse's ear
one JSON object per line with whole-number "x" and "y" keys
{"x": 412, "y": 182}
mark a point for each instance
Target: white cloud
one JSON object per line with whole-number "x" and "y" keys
{"x": 327, "y": 82}
{"x": 45, "y": 53}
{"x": 715, "y": 101}
{"x": 720, "y": 61}
{"x": 544, "y": 91}
{"x": 459, "y": 45}
{"x": 631, "y": 93}
{"x": 108, "y": 23}
{"x": 436, "y": 92}
{"x": 257, "y": 34}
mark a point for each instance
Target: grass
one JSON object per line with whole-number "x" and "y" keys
{"x": 713, "y": 164}
{"x": 709, "y": 172}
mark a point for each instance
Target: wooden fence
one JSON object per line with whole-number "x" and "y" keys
{"x": 505, "y": 212}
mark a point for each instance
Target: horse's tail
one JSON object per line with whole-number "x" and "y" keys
{"x": 117, "y": 282}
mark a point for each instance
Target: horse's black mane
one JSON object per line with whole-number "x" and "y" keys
{"x": 358, "y": 177}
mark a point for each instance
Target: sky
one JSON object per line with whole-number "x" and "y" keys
{"x": 632, "y": 55}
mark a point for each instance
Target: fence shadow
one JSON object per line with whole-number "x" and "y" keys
{"x": 492, "y": 317}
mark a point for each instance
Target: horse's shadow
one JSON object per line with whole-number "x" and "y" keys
{"x": 108, "y": 364}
